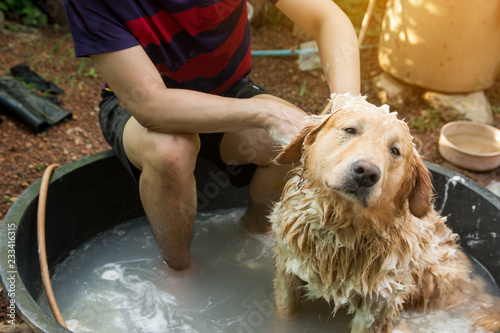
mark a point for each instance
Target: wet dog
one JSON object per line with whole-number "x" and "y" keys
{"x": 355, "y": 225}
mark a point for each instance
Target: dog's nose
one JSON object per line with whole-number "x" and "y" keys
{"x": 365, "y": 174}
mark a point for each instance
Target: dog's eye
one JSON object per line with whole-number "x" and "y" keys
{"x": 395, "y": 152}
{"x": 350, "y": 130}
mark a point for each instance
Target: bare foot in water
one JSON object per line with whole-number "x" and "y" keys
{"x": 176, "y": 276}
{"x": 255, "y": 219}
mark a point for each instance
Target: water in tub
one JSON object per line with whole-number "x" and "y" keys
{"x": 117, "y": 282}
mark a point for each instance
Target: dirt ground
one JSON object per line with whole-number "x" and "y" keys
{"x": 25, "y": 154}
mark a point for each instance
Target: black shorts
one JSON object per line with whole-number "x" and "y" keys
{"x": 113, "y": 117}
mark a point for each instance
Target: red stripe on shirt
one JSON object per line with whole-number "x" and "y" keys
{"x": 196, "y": 20}
{"x": 166, "y": 25}
{"x": 148, "y": 32}
{"x": 163, "y": 25}
{"x": 210, "y": 64}
{"x": 243, "y": 68}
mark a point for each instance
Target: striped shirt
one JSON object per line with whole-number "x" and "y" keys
{"x": 201, "y": 45}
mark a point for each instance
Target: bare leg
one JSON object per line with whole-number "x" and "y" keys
{"x": 171, "y": 212}
{"x": 257, "y": 147}
{"x": 167, "y": 187}
{"x": 265, "y": 189}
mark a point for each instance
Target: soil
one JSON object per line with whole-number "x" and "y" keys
{"x": 24, "y": 154}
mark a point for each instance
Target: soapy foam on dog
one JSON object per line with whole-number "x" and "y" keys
{"x": 118, "y": 282}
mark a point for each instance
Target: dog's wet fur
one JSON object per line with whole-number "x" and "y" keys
{"x": 355, "y": 225}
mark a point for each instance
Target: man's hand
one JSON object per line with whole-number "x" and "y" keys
{"x": 285, "y": 119}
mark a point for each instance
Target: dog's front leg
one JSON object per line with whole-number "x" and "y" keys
{"x": 371, "y": 318}
{"x": 362, "y": 321}
{"x": 287, "y": 290}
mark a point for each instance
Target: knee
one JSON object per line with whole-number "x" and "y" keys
{"x": 173, "y": 154}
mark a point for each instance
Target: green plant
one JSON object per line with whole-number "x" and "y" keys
{"x": 59, "y": 42}
{"x": 356, "y": 9}
{"x": 276, "y": 18}
{"x": 24, "y": 9}
{"x": 303, "y": 88}
{"x": 81, "y": 66}
{"x": 72, "y": 80}
{"x": 91, "y": 73}
{"x": 12, "y": 27}
{"x": 428, "y": 120}
{"x": 30, "y": 86}
{"x": 495, "y": 109}
{"x": 494, "y": 94}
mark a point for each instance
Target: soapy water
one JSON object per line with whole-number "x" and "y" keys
{"x": 118, "y": 282}
{"x": 451, "y": 181}
{"x": 472, "y": 239}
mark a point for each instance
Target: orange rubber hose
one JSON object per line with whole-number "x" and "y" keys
{"x": 42, "y": 253}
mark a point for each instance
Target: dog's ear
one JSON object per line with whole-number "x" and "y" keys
{"x": 420, "y": 197}
{"x": 293, "y": 151}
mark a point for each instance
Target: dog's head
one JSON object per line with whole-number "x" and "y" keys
{"x": 363, "y": 153}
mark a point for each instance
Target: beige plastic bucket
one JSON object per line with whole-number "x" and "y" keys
{"x": 443, "y": 45}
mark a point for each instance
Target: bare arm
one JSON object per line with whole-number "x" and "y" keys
{"x": 139, "y": 86}
{"x": 336, "y": 39}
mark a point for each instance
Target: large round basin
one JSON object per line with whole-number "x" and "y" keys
{"x": 95, "y": 194}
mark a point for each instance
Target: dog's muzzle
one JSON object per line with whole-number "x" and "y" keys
{"x": 360, "y": 179}
{"x": 365, "y": 174}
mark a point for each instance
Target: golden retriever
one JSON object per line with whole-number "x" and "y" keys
{"x": 355, "y": 224}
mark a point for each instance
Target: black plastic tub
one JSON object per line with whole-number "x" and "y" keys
{"x": 95, "y": 193}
